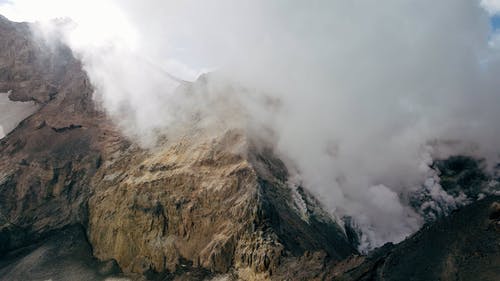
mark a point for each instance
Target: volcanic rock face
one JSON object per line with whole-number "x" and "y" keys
{"x": 30, "y": 68}
{"x": 463, "y": 246}
{"x": 215, "y": 202}
{"x": 208, "y": 201}
{"x": 46, "y": 163}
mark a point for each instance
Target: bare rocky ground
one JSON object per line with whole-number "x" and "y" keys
{"x": 78, "y": 201}
{"x": 64, "y": 255}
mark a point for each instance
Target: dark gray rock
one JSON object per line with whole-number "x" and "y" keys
{"x": 63, "y": 256}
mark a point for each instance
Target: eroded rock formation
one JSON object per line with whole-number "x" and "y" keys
{"x": 45, "y": 174}
{"x": 213, "y": 202}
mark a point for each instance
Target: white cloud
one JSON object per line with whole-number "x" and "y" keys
{"x": 495, "y": 41}
{"x": 99, "y": 22}
{"x": 492, "y": 6}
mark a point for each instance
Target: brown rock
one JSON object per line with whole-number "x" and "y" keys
{"x": 45, "y": 174}
{"x": 200, "y": 204}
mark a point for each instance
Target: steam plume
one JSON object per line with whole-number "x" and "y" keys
{"x": 369, "y": 91}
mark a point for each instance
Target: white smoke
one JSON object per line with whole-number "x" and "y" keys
{"x": 368, "y": 91}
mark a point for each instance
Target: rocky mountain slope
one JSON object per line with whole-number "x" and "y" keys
{"x": 47, "y": 162}
{"x": 63, "y": 255}
{"x": 463, "y": 246}
{"x": 211, "y": 202}
{"x": 215, "y": 203}
{"x": 78, "y": 201}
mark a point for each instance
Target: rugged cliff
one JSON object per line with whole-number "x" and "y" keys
{"x": 46, "y": 164}
{"x": 79, "y": 201}
{"x": 215, "y": 203}
{"x": 212, "y": 202}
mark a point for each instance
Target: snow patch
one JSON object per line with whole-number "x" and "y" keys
{"x": 12, "y": 113}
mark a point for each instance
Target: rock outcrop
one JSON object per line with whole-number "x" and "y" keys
{"x": 215, "y": 202}
{"x": 45, "y": 171}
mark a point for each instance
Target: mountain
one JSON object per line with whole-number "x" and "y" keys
{"x": 80, "y": 201}
{"x": 211, "y": 202}
{"x": 462, "y": 246}
{"x": 47, "y": 162}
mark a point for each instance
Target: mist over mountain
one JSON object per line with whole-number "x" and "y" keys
{"x": 357, "y": 97}
{"x": 324, "y": 130}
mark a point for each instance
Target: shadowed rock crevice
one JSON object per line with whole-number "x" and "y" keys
{"x": 65, "y": 129}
